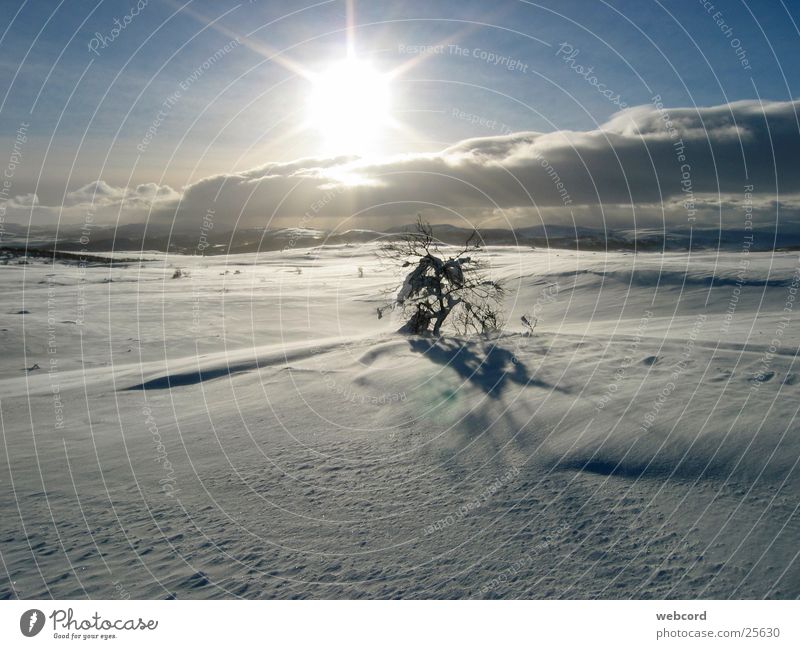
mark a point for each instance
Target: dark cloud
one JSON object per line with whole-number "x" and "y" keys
{"x": 648, "y": 163}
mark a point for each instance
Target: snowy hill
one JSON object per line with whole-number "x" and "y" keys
{"x": 251, "y": 429}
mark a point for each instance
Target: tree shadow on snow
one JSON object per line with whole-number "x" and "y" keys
{"x": 485, "y": 365}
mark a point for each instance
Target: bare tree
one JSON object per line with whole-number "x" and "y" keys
{"x": 442, "y": 289}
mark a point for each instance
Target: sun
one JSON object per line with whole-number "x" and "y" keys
{"x": 349, "y": 107}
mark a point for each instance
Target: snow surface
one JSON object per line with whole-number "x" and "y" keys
{"x": 253, "y": 430}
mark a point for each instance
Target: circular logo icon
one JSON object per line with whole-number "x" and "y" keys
{"x": 31, "y": 622}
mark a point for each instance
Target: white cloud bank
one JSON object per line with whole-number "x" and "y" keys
{"x": 678, "y": 166}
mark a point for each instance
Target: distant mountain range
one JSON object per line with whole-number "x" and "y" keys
{"x": 162, "y": 238}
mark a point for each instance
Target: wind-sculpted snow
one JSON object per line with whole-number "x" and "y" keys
{"x": 248, "y": 430}
{"x": 660, "y": 278}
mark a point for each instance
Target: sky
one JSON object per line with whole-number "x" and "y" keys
{"x": 340, "y": 114}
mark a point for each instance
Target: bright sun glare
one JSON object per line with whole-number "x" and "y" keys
{"x": 349, "y": 107}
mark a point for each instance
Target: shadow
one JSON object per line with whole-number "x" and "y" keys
{"x": 484, "y": 364}
{"x": 192, "y": 377}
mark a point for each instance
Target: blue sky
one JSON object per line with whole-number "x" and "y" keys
{"x": 88, "y": 111}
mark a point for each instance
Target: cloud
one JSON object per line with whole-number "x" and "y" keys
{"x": 99, "y": 193}
{"x": 647, "y": 165}
{"x": 24, "y": 201}
{"x": 104, "y": 203}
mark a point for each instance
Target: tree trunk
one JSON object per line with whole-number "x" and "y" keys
{"x": 417, "y": 324}
{"x": 440, "y": 318}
